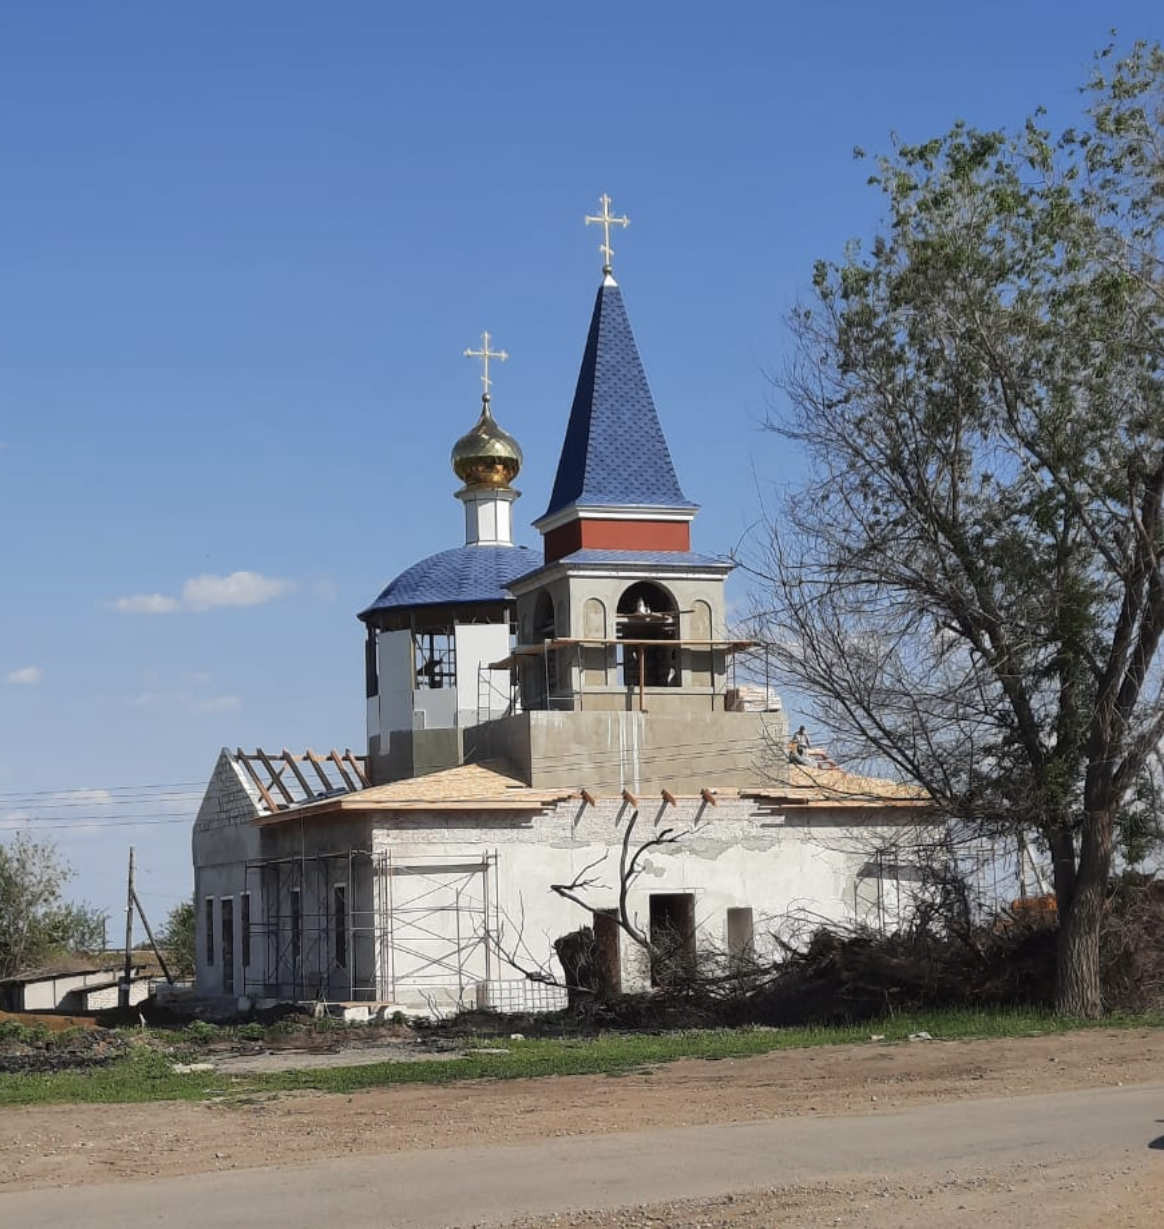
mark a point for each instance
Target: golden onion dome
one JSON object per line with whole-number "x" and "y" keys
{"x": 486, "y": 455}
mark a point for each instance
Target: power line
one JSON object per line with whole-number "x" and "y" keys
{"x": 178, "y": 787}
{"x": 21, "y": 825}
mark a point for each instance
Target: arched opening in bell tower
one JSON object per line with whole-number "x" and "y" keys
{"x": 648, "y": 617}
{"x": 546, "y": 628}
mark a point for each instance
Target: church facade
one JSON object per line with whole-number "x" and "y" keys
{"x": 560, "y": 743}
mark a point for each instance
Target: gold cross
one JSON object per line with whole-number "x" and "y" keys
{"x": 606, "y": 220}
{"x": 485, "y": 354}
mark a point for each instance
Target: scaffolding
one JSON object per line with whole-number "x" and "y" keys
{"x": 624, "y": 660}
{"x": 371, "y": 926}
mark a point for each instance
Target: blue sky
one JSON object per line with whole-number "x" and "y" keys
{"x": 242, "y": 246}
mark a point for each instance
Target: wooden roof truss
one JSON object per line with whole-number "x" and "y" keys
{"x": 285, "y": 780}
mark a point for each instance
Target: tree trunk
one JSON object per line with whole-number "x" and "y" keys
{"x": 1078, "y": 990}
{"x": 1061, "y": 843}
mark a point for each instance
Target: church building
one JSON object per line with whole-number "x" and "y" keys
{"x": 560, "y": 744}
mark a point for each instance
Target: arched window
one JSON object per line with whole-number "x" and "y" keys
{"x": 546, "y": 628}
{"x": 648, "y": 613}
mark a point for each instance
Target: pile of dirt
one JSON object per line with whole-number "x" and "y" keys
{"x": 55, "y": 1023}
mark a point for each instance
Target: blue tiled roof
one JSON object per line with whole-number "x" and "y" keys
{"x": 656, "y": 560}
{"x": 614, "y": 451}
{"x": 465, "y": 574}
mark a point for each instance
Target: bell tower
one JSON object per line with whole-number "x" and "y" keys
{"x": 623, "y": 616}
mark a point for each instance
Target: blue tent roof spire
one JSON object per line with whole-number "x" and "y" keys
{"x": 615, "y": 453}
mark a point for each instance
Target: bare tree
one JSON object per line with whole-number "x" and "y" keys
{"x": 576, "y": 952}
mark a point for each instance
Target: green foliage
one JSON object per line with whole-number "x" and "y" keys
{"x": 23, "y": 1034}
{"x": 147, "y": 1074}
{"x": 36, "y": 923}
{"x": 76, "y": 927}
{"x": 972, "y": 582}
{"x": 178, "y": 939}
{"x": 201, "y": 1031}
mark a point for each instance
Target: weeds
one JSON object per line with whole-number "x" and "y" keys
{"x": 147, "y": 1074}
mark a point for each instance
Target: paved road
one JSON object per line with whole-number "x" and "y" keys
{"x": 466, "y": 1186}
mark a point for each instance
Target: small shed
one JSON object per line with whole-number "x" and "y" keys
{"x": 81, "y": 988}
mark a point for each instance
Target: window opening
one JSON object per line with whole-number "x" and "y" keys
{"x": 244, "y": 923}
{"x": 226, "y": 905}
{"x": 672, "y": 936}
{"x": 296, "y": 925}
{"x": 646, "y": 611}
{"x": 210, "y": 930}
{"x": 546, "y": 628}
{"x": 371, "y": 669}
{"x": 740, "y": 934}
{"x": 340, "y": 900}
{"x": 435, "y": 658}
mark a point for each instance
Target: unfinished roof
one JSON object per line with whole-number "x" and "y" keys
{"x": 833, "y": 787}
{"x": 494, "y": 786}
{"x": 285, "y": 780}
{"x": 490, "y": 785}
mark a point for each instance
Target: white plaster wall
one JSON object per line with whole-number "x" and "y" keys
{"x": 47, "y": 995}
{"x": 477, "y": 645}
{"x": 397, "y": 679}
{"x": 69, "y": 992}
{"x": 730, "y": 856}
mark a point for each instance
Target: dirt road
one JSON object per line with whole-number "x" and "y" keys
{"x": 1079, "y": 1161}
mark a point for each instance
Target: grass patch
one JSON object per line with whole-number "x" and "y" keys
{"x": 147, "y": 1075}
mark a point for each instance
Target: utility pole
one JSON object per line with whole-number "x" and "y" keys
{"x": 127, "y": 974}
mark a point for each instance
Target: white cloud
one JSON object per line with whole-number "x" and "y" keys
{"x": 237, "y": 589}
{"x": 215, "y": 704}
{"x": 209, "y": 593}
{"x": 82, "y": 797}
{"x": 26, "y": 676}
{"x": 147, "y": 603}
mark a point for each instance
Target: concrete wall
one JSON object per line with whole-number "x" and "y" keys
{"x": 107, "y": 997}
{"x": 224, "y": 840}
{"x": 312, "y": 863}
{"x": 586, "y": 606}
{"x": 413, "y": 731}
{"x": 416, "y": 753}
{"x": 606, "y": 752}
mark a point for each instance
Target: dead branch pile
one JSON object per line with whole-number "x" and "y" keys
{"x": 835, "y": 976}
{"x": 1132, "y": 945}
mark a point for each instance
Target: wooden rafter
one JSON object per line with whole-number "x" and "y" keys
{"x": 279, "y": 778}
